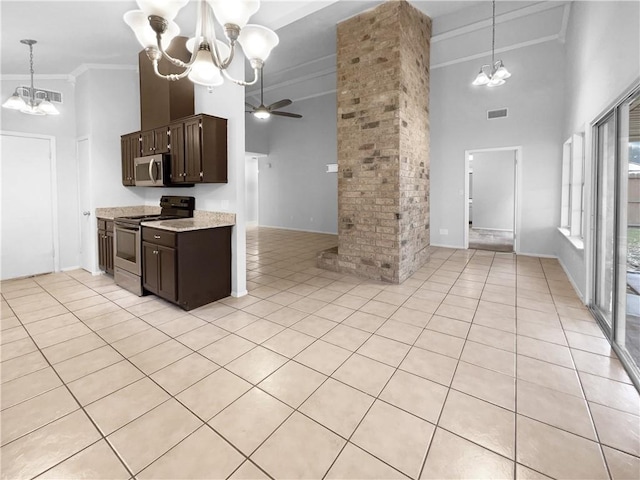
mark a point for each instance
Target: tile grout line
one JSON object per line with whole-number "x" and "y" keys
{"x": 81, "y": 407}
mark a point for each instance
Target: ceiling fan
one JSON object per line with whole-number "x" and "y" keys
{"x": 263, "y": 112}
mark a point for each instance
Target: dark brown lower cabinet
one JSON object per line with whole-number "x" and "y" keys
{"x": 105, "y": 245}
{"x": 159, "y": 270}
{"x": 189, "y": 268}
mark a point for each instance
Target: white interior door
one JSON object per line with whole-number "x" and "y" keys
{"x": 28, "y": 206}
{"x": 87, "y": 222}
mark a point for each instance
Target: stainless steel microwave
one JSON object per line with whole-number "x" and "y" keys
{"x": 152, "y": 170}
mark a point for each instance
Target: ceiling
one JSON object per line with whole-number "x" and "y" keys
{"x": 73, "y": 33}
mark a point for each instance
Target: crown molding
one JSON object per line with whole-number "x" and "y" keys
{"x": 21, "y": 77}
{"x": 85, "y": 67}
{"x": 502, "y": 18}
{"x": 498, "y": 50}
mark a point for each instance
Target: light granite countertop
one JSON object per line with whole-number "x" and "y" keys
{"x": 201, "y": 219}
{"x": 109, "y": 213}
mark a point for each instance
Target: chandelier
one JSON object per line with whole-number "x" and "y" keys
{"x": 154, "y": 28}
{"x": 495, "y": 74}
{"x": 29, "y": 99}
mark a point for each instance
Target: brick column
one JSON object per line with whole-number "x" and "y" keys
{"x": 383, "y": 143}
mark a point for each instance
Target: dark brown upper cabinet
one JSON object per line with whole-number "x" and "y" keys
{"x": 201, "y": 156}
{"x": 130, "y": 149}
{"x": 155, "y": 141}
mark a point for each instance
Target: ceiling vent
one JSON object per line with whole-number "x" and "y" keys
{"x": 491, "y": 114}
{"x": 54, "y": 97}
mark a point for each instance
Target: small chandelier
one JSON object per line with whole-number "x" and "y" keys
{"x": 495, "y": 74}
{"x": 30, "y": 100}
{"x": 154, "y": 28}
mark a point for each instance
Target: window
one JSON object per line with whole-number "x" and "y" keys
{"x": 573, "y": 186}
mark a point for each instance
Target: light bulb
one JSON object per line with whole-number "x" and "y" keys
{"x": 234, "y": 12}
{"x": 257, "y": 42}
{"x": 501, "y": 72}
{"x": 262, "y": 113}
{"x": 167, "y": 9}
{"x": 31, "y": 110}
{"x": 46, "y": 107}
{"x": 203, "y": 71}
{"x": 495, "y": 82}
{"x": 139, "y": 23}
{"x": 481, "y": 78}
{"x": 15, "y": 102}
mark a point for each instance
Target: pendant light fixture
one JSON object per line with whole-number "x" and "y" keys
{"x": 495, "y": 74}
{"x": 154, "y": 28}
{"x": 30, "y": 100}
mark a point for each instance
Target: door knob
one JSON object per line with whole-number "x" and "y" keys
{"x": 86, "y": 213}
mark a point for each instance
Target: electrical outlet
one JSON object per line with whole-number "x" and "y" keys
{"x": 444, "y": 231}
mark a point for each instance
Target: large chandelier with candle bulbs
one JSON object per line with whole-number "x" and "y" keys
{"x": 154, "y": 28}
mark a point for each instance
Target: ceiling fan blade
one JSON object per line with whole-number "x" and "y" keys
{"x": 287, "y": 114}
{"x": 250, "y": 106}
{"x": 282, "y": 103}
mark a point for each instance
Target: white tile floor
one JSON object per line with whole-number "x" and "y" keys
{"x": 481, "y": 365}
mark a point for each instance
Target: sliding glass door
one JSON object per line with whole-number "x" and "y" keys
{"x": 616, "y": 294}
{"x": 605, "y": 219}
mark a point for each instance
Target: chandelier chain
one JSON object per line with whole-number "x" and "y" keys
{"x": 493, "y": 38}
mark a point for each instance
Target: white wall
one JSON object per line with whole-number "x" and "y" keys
{"x": 295, "y": 190}
{"x": 458, "y": 111}
{"x": 108, "y": 106}
{"x": 493, "y": 190}
{"x": 256, "y": 134}
{"x": 251, "y": 189}
{"x": 603, "y": 60}
{"x": 62, "y": 127}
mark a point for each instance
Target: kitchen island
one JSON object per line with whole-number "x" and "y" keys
{"x": 186, "y": 261}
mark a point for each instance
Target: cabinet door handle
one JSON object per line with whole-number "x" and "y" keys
{"x": 155, "y": 252}
{"x": 156, "y": 236}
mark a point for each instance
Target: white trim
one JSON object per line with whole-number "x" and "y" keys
{"x": 85, "y": 67}
{"x": 517, "y": 207}
{"x": 502, "y": 18}
{"x": 316, "y": 95}
{"x": 21, "y": 77}
{"x": 297, "y": 229}
{"x": 442, "y": 245}
{"x": 573, "y": 283}
{"x": 239, "y": 294}
{"x": 70, "y": 269}
{"x": 293, "y": 81}
{"x": 55, "y": 231}
{"x": 487, "y": 53}
{"x": 565, "y": 23}
{"x": 93, "y": 222}
{"x": 577, "y": 242}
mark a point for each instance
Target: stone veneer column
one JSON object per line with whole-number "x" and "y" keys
{"x": 383, "y": 143}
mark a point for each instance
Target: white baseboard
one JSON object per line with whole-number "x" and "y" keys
{"x": 573, "y": 283}
{"x": 69, "y": 269}
{"x": 541, "y": 255}
{"x": 297, "y": 229}
{"x": 441, "y": 245}
{"x": 239, "y": 294}
{"x": 253, "y": 223}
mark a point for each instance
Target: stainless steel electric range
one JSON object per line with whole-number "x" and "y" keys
{"x": 128, "y": 240}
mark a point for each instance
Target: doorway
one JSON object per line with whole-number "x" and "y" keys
{"x": 87, "y": 222}
{"x": 615, "y": 295}
{"x": 29, "y": 205}
{"x": 491, "y": 213}
{"x": 252, "y": 188}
